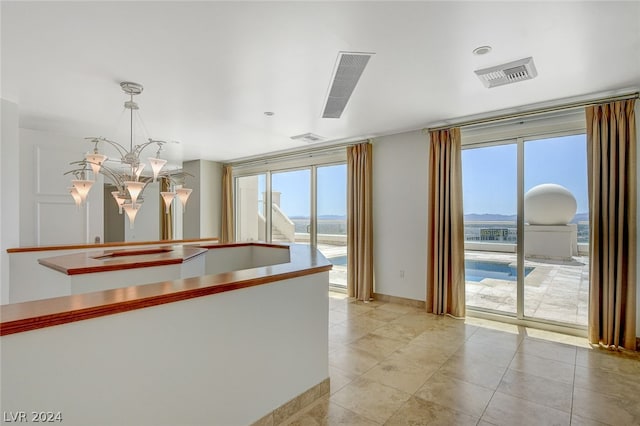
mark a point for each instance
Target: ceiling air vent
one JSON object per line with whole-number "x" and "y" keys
{"x": 347, "y": 71}
{"x": 308, "y": 138}
{"x": 512, "y": 72}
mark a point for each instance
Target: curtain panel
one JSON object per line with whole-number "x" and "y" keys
{"x": 360, "y": 221}
{"x": 226, "y": 229}
{"x": 445, "y": 225}
{"x": 166, "y": 214}
{"x": 612, "y": 170}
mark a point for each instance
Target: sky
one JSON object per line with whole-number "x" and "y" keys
{"x": 489, "y": 174}
{"x": 295, "y": 189}
{"x": 489, "y": 178}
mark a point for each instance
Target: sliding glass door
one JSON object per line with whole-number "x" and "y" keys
{"x": 291, "y": 206}
{"x": 526, "y": 228}
{"x": 556, "y": 229}
{"x": 305, "y": 205}
{"x": 490, "y": 197}
{"x": 332, "y": 219}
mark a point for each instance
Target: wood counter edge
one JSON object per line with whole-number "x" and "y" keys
{"x": 57, "y": 263}
{"x": 27, "y": 316}
{"x": 106, "y": 245}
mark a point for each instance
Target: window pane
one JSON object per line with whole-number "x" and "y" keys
{"x": 556, "y": 235}
{"x": 332, "y": 220}
{"x": 490, "y": 213}
{"x": 291, "y": 206}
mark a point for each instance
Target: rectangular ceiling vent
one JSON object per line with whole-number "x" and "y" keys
{"x": 512, "y": 72}
{"x": 308, "y": 138}
{"x": 347, "y": 71}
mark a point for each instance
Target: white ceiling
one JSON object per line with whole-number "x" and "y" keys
{"x": 211, "y": 69}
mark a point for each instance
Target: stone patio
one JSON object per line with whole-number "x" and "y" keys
{"x": 554, "y": 290}
{"x": 338, "y": 275}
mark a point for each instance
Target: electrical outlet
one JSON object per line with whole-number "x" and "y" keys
{"x": 402, "y": 273}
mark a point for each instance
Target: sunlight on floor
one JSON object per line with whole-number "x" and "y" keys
{"x": 550, "y": 336}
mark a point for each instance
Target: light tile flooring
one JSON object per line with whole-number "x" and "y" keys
{"x": 393, "y": 364}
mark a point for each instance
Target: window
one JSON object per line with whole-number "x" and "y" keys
{"x": 526, "y": 220}
{"x": 304, "y": 203}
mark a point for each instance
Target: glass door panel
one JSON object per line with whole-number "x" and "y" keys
{"x": 556, "y": 230}
{"x": 332, "y": 219}
{"x": 490, "y": 225}
{"x": 291, "y": 206}
{"x": 250, "y": 208}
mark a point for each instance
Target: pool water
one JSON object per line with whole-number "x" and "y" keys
{"x": 477, "y": 270}
{"x": 338, "y": 260}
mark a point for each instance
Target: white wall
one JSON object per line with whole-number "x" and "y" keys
{"x": 211, "y": 199}
{"x": 202, "y": 215}
{"x": 400, "y": 214}
{"x": 191, "y": 215}
{"x": 48, "y": 214}
{"x": 219, "y": 359}
{"x": 9, "y": 201}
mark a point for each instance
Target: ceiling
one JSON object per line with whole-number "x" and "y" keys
{"x": 211, "y": 69}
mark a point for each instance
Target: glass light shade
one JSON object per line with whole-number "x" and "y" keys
{"x": 83, "y": 187}
{"x": 119, "y": 200}
{"x": 168, "y": 198}
{"x": 156, "y": 165}
{"x": 132, "y": 211}
{"x": 95, "y": 161}
{"x": 183, "y": 195}
{"x": 134, "y": 188}
{"x": 138, "y": 171}
{"x": 76, "y": 197}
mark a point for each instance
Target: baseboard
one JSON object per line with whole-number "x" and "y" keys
{"x": 288, "y": 409}
{"x": 421, "y": 304}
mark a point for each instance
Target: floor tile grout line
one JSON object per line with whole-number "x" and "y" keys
{"x": 403, "y": 343}
{"x": 350, "y": 410}
{"x": 573, "y": 385}
{"x": 501, "y": 378}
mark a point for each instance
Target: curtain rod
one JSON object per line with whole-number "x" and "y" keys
{"x": 534, "y": 111}
{"x": 293, "y": 155}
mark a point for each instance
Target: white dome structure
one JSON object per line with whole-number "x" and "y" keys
{"x": 549, "y": 204}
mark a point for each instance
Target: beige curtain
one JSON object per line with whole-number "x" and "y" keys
{"x": 445, "y": 255}
{"x": 359, "y": 221}
{"x": 166, "y": 217}
{"x": 611, "y": 156}
{"x": 226, "y": 229}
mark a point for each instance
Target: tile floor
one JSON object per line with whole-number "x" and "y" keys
{"x": 393, "y": 364}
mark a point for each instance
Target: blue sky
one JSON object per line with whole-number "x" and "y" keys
{"x": 489, "y": 178}
{"x": 489, "y": 174}
{"x": 295, "y": 189}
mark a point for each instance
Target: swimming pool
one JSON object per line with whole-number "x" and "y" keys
{"x": 338, "y": 260}
{"x": 477, "y": 270}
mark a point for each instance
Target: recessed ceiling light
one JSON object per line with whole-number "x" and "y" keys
{"x": 269, "y": 113}
{"x": 482, "y": 50}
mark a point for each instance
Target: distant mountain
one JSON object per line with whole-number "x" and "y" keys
{"x": 322, "y": 217}
{"x": 489, "y": 217}
{"x": 580, "y": 217}
{"x": 332, "y": 217}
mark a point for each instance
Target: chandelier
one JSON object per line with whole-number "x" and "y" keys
{"x": 126, "y": 173}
